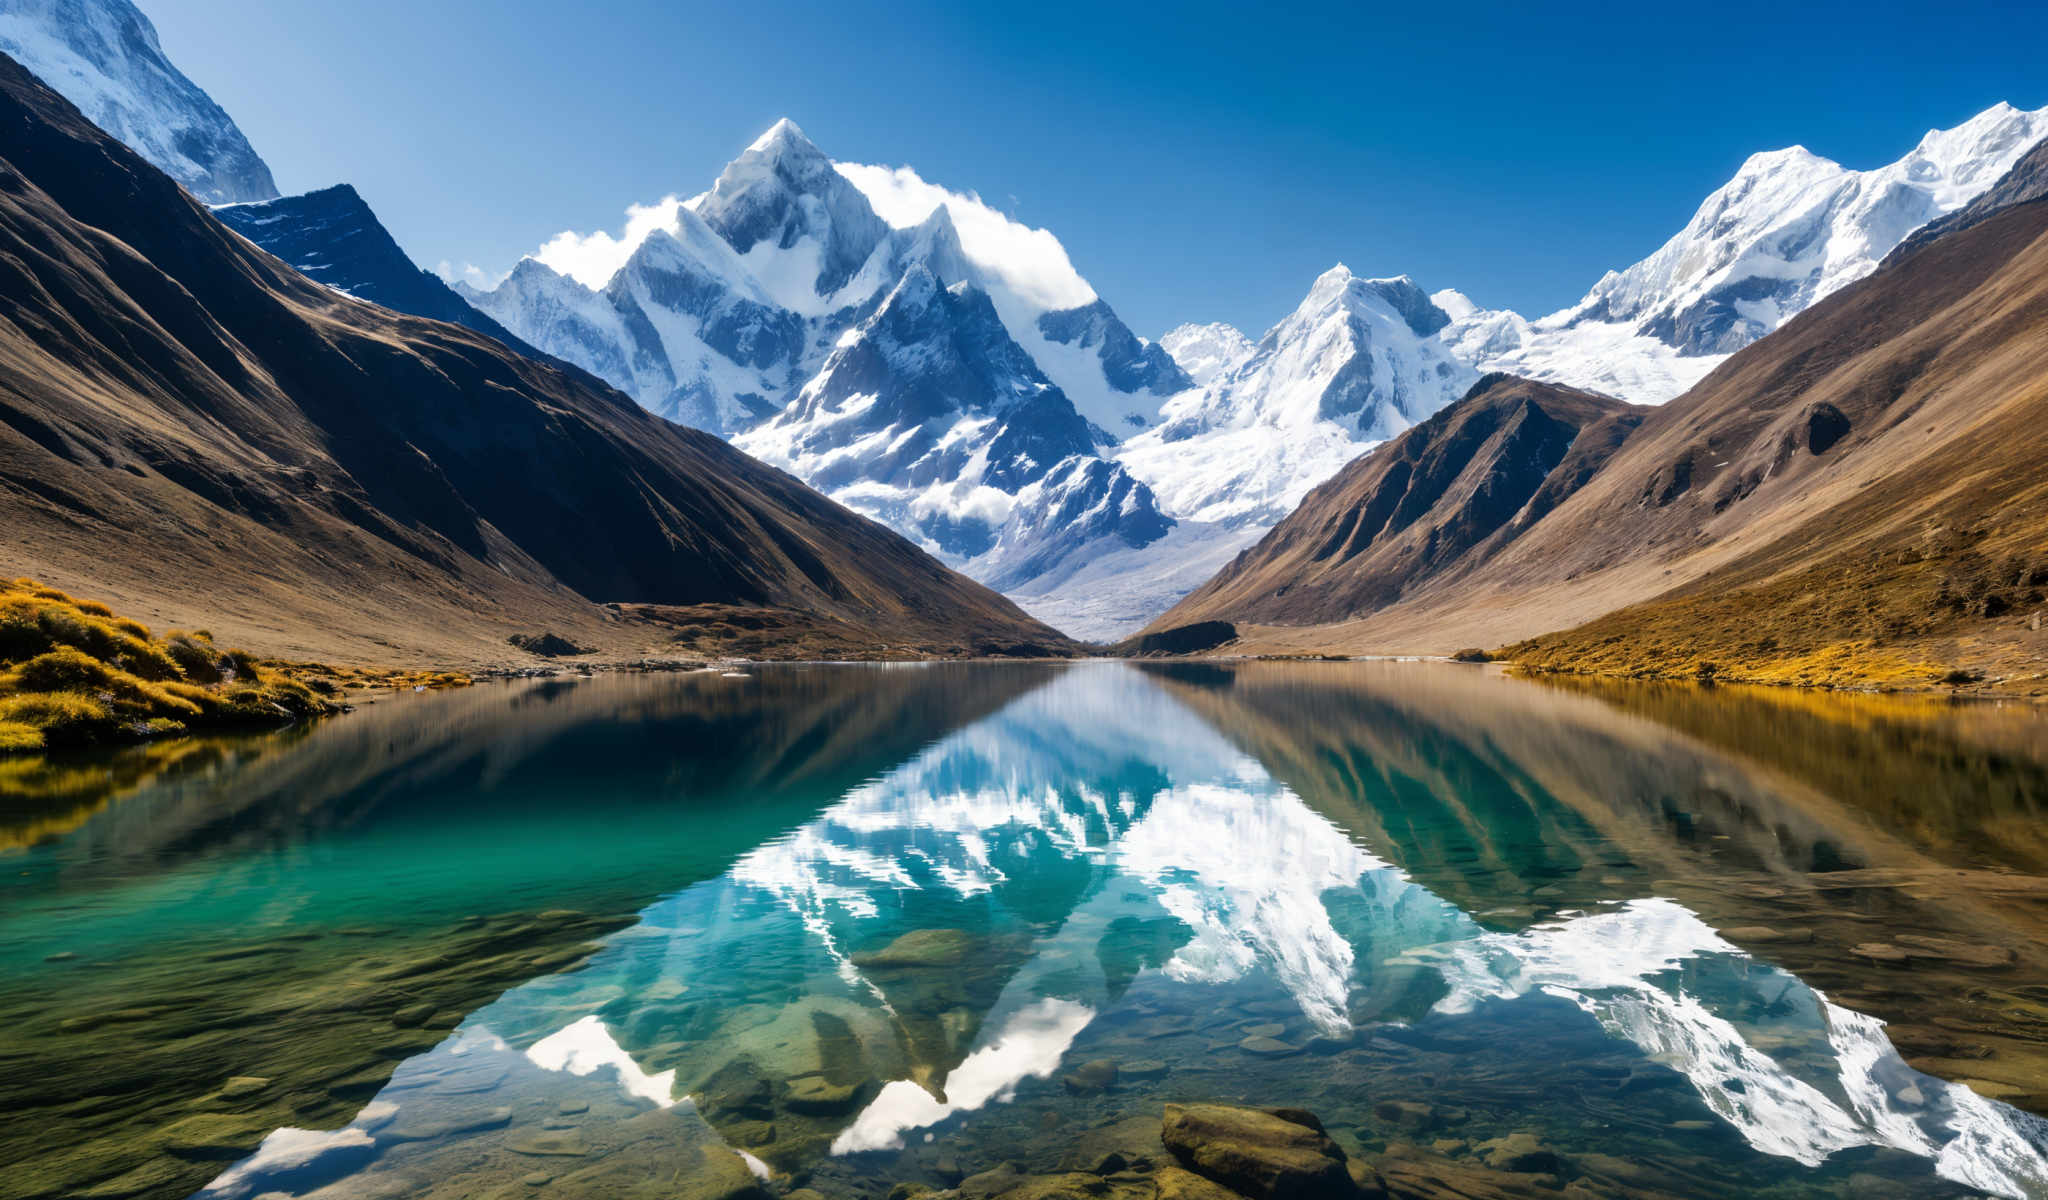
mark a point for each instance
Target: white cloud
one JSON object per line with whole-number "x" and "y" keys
{"x": 469, "y": 273}
{"x": 591, "y": 259}
{"x": 1030, "y": 261}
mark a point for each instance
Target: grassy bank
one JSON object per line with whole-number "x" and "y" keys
{"x": 72, "y": 673}
{"x": 1949, "y": 612}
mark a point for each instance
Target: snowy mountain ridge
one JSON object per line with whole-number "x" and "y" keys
{"x": 1789, "y": 229}
{"x": 1358, "y": 361}
{"x": 103, "y": 56}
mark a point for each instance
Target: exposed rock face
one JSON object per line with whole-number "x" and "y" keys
{"x": 1439, "y": 497}
{"x": 923, "y": 411}
{"x": 103, "y": 56}
{"x": 1272, "y": 1154}
{"x": 333, "y": 238}
{"x": 1129, "y": 364}
{"x": 547, "y": 645}
{"x": 1065, "y": 516}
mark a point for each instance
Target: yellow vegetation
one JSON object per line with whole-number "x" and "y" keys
{"x": 71, "y": 673}
{"x": 1882, "y": 620}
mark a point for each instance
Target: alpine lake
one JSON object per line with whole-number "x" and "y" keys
{"x": 872, "y": 931}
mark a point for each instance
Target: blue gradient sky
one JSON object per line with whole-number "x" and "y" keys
{"x": 1199, "y": 163}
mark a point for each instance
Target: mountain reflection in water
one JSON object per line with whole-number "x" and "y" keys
{"x": 849, "y": 927}
{"x": 1431, "y": 905}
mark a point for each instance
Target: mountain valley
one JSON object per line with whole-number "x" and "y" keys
{"x": 937, "y": 366}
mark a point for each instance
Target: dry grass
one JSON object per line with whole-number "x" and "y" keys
{"x": 74, "y": 674}
{"x": 1900, "y": 618}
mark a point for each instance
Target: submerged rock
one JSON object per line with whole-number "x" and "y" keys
{"x": 1173, "y": 1183}
{"x": 737, "y": 1089}
{"x": 545, "y": 1143}
{"x": 1522, "y": 1154}
{"x": 921, "y": 948}
{"x": 1090, "y": 1077}
{"x": 211, "y": 1135}
{"x": 814, "y": 1095}
{"x": 1276, "y": 1154}
{"x": 415, "y": 1127}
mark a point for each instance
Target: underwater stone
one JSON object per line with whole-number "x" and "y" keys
{"x": 1259, "y": 1153}
{"x": 1092, "y": 1076}
{"x": 920, "y": 948}
{"x": 814, "y": 1095}
{"x": 549, "y": 1144}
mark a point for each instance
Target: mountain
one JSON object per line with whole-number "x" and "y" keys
{"x": 801, "y": 226}
{"x": 949, "y": 375}
{"x": 2027, "y": 180}
{"x": 1357, "y": 362}
{"x": 1443, "y": 495}
{"x": 1129, "y": 364}
{"x": 200, "y": 433}
{"x": 930, "y": 418}
{"x": 332, "y": 237}
{"x": 103, "y": 56}
{"x": 1788, "y": 230}
{"x": 1267, "y": 423}
{"x": 1072, "y": 514}
{"x": 1206, "y": 353}
{"x": 1856, "y": 497}
{"x": 682, "y": 326}
{"x": 785, "y": 227}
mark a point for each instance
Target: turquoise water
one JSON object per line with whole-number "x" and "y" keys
{"x": 847, "y": 928}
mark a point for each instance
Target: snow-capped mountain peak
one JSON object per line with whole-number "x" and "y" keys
{"x": 784, "y": 137}
{"x": 1789, "y": 228}
{"x": 935, "y": 245}
{"x": 927, "y": 416}
{"x": 103, "y": 56}
{"x": 1356, "y": 362}
{"x": 1455, "y": 304}
{"x": 691, "y": 246}
{"x": 1792, "y": 227}
{"x": 802, "y": 227}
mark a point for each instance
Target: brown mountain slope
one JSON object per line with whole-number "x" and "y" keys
{"x": 1444, "y": 495}
{"x": 192, "y": 429}
{"x": 1860, "y": 495}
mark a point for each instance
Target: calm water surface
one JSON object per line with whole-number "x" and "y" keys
{"x": 850, "y": 927}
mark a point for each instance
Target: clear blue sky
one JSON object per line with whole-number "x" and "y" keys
{"x": 1203, "y": 162}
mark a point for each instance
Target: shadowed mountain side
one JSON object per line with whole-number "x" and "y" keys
{"x": 1857, "y": 495}
{"x": 1516, "y": 808}
{"x": 1442, "y": 496}
{"x": 318, "y": 1022}
{"x": 194, "y": 430}
{"x": 332, "y": 236}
